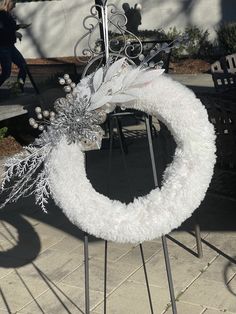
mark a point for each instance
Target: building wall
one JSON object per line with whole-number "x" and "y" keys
{"x": 57, "y": 25}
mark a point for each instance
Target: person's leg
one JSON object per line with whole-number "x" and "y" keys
{"x": 19, "y": 61}
{"x": 5, "y": 61}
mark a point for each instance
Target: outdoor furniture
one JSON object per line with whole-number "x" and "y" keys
{"x": 224, "y": 73}
{"x": 222, "y": 114}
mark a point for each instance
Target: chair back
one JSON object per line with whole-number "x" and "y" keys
{"x": 224, "y": 73}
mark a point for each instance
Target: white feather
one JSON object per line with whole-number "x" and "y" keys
{"x": 100, "y": 102}
{"x": 130, "y": 77}
{"x": 132, "y": 91}
{"x": 122, "y": 98}
{"x": 146, "y": 77}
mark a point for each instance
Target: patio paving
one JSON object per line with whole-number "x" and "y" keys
{"x": 52, "y": 279}
{"x": 41, "y": 255}
{"x": 42, "y": 267}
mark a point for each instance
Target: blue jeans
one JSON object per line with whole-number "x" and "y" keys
{"x": 9, "y": 55}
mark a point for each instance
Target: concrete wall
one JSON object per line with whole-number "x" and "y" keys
{"x": 57, "y": 25}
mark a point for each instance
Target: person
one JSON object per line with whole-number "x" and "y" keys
{"x": 8, "y": 52}
{"x": 133, "y": 16}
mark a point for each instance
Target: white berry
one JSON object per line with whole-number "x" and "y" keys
{"x": 31, "y": 121}
{"x": 69, "y": 81}
{"x": 62, "y": 81}
{"x": 38, "y": 109}
{"x": 45, "y": 113}
{"x": 67, "y": 89}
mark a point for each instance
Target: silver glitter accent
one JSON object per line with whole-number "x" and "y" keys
{"x": 76, "y": 122}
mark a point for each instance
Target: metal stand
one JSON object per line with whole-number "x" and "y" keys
{"x": 102, "y": 14}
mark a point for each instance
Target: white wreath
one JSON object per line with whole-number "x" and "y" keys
{"x": 185, "y": 181}
{"x": 75, "y": 127}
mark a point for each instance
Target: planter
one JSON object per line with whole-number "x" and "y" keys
{"x": 9, "y": 146}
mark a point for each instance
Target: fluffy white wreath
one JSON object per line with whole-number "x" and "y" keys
{"x": 185, "y": 181}
{"x": 75, "y": 127}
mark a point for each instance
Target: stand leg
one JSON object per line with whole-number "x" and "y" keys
{"x": 121, "y": 136}
{"x": 86, "y": 274}
{"x": 146, "y": 278}
{"x": 149, "y": 134}
{"x": 198, "y": 240}
{"x": 164, "y": 243}
{"x": 111, "y": 137}
{"x": 169, "y": 276}
{"x": 105, "y": 279}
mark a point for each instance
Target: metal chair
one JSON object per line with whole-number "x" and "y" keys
{"x": 224, "y": 73}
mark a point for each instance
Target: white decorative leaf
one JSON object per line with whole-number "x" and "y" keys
{"x": 104, "y": 90}
{"x": 114, "y": 69}
{"x": 98, "y": 79}
{"x": 147, "y": 76}
{"x": 84, "y": 91}
{"x": 122, "y": 98}
{"x": 102, "y": 101}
